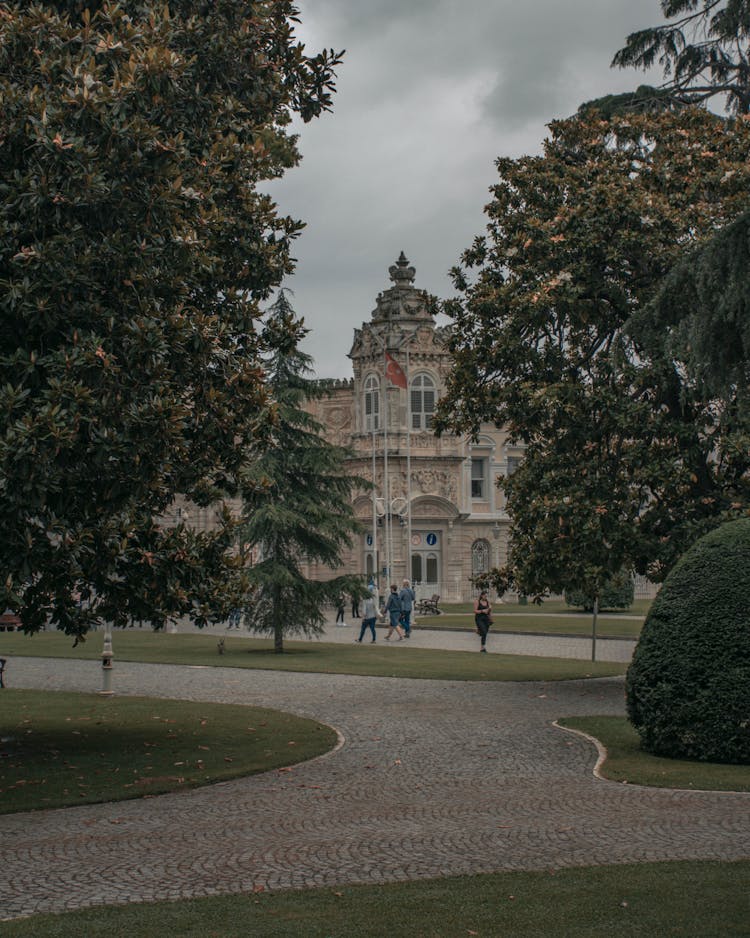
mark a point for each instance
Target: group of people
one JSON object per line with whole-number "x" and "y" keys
{"x": 398, "y": 609}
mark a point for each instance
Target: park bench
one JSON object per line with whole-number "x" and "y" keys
{"x": 429, "y": 607}
{"x": 9, "y": 622}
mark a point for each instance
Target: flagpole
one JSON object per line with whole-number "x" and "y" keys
{"x": 408, "y": 467}
{"x": 386, "y": 493}
{"x": 375, "y": 577}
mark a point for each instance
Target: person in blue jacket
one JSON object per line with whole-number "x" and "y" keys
{"x": 393, "y": 611}
{"x": 407, "y": 597}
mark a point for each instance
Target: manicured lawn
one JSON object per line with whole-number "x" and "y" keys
{"x": 550, "y": 618}
{"x": 627, "y": 762}
{"x": 538, "y": 623}
{"x": 61, "y": 749}
{"x": 381, "y": 660}
{"x": 650, "y": 900}
{"x": 639, "y": 608}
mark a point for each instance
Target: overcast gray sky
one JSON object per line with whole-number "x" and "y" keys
{"x": 430, "y": 93}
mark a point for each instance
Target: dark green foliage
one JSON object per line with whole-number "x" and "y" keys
{"x": 135, "y": 246}
{"x": 704, "y": 306}
{"x": 616, "y": 593}
{"x": 297, "y": 497}
{"x": 704, "y": 51}
{"x": 644, "y": 100}
{"x": 628, "y": 458}
{"x": 688, "y": 686}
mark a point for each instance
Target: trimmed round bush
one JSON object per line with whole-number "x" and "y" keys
{"x": 688, "y": 686}
{"x": 617, "y": 593}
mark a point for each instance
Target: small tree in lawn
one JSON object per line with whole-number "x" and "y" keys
{"x": 297, "y": 496}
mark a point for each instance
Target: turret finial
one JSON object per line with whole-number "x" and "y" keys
{"x": 401, "y": 273}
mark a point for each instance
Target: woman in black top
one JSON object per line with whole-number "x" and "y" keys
{"x": 482, "y": 620}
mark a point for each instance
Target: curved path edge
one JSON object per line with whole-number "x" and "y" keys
{"x": 433, "y": 778}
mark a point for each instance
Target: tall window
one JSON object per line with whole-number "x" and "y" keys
{"x": 422, "y": 402}
{"x": 480, "y": 557}
{"x": 372, "y": 403}
{"x": 479, "y": 478}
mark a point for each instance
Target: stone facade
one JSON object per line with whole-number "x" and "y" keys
{"x": 449, "y": 521}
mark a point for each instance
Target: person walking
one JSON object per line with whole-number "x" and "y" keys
{"x": 482, "y": 617}
{"x": 406, "y": 597}
{"x": 340, "y": 611}
{"x": 393, "y": 610}
{"x": 355, "y": 606}
{"x": 368, "y": 619}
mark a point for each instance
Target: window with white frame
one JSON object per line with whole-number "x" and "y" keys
{"x": 423, "y": 398}
{"x": 479, "y": 477}
{"x": 372, "y": 403}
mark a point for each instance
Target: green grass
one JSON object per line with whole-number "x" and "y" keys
{"x": 650, "y": 900}
{"x": 627, "y": 762}
{"x": 639, "y": 608}
{"x": 538, "y": 624}
{"x": 62, "y": 749}
{"x": 381, "y": 660}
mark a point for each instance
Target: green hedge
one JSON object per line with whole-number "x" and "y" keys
{"x": 617, "y": 593}
{"x": 688, "y": 686}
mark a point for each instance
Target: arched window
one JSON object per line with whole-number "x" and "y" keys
{"x": 480, "y": 557}
{"x": 372, "y": 403}
{"x": 422, "y": 402}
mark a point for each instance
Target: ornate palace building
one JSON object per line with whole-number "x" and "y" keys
{"x": 435, "y": 514}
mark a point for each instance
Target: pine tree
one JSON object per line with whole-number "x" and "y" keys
{"x": 704, "y": 50}
{"x": 297, "y": 497}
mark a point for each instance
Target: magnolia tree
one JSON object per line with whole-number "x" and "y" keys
{"x": 135, "y": 246}
{"x": 628, "y": 455}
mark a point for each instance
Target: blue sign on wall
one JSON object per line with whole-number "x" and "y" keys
{"x": 432, "y": 539}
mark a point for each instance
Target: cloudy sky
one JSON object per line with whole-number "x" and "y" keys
{"x": 430, "y": 93}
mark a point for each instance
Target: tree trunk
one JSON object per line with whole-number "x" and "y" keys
{"x": 278, "y": 631}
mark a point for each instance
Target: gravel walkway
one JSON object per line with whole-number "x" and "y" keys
{"x": 433, "y": 778}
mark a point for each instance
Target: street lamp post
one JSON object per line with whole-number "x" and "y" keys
{"x": 386, "y": 509}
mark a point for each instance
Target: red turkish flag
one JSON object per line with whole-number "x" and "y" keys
{"x": 394, "y": 372}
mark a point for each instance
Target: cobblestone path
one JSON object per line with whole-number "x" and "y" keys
{"x": 433, "y": 778}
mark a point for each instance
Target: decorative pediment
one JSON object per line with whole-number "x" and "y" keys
{"x": 433, "y": 508}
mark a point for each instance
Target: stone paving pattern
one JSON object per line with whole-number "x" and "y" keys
{"x": 433, "y": 778}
